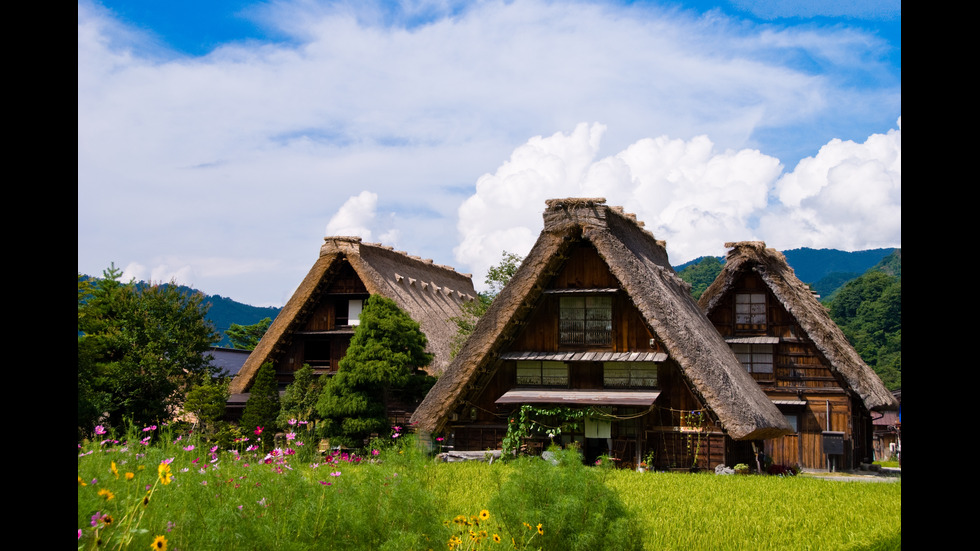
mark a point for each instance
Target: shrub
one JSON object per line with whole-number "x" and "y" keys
{"x": 571, "y": 501}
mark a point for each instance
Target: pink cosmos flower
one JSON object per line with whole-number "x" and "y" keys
{"x": 99, "y": 429}
{"x": 335, "y": 473}
{"x": 290, "y": 436}
{"x": 292, "y": 421}
{"x": 149, "y": 428}
{"x": 258, "y": 431}
{"x": 189, "y": 448}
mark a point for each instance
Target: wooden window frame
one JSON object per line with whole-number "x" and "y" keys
{"x": 542, "y": 373}
{"x": 629, "y": 375}
{"x": 582, "y": 326}
{"x": 752, "y": 355}
{"x": 751, "y": 311}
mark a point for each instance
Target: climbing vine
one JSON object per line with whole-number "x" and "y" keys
{"x": 530, "y": 420}
{"x": 696, "y": 421}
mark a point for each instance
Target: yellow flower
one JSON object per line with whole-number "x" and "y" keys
{"x": 496, "y": 538}
{"x": 129, "y": 476}
{"x": 160, "y": 543}
{"x": 528, "y": 526}
{"x": 106, "y": 494}
{"x": 107, "y": 520}
{"x": 484, "y": 514}
{"x": 540, "y": 531}
{"x": 112, "y": 467}
{"x": 164, "y": 472}
{"x": 81, "y": 482}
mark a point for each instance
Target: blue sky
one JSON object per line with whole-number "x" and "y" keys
{"x": 220, "y": 141}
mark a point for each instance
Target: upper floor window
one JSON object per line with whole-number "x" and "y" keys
{"x": 629, "y": 374}
{"x": 349, "y": 311}
{"x": 750, "y": 311}
{"x": 585, "y": 320}
{"x": 755, "y": 358}
{"x": 543, "y": 373}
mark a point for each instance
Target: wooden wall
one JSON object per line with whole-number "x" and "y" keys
{"x": 800, "y": 373}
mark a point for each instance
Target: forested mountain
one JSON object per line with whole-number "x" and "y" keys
{"x": 869, "y": 311}
{"x": 225, "y": 311}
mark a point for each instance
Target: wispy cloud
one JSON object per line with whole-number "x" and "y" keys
{"x": 250, "y": 151}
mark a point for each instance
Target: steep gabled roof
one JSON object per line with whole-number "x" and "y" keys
{"x": 430, "y": 293}
{"x": 798, "y": 300}
{"x": 640, "y": 264}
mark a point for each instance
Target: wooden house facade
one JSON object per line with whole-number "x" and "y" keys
{"x": 596, "y": 320}
{"x": 316, "y": 324}
{"x": 799, "y": 357}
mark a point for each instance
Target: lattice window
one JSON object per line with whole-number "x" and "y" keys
{"x": 755, "y": 358}
{"x": 544, "y": 373}
{"x": 750, "y": 311}
{"x": 629, "y": 374}
{"x": 585, "y": 320}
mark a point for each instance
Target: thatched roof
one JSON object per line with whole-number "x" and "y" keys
{"x": 640, "y": 264}
{"x": 430, "y": 293}
{"x": 812, "y": 316}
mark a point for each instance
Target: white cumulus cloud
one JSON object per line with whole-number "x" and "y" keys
{"x": 691, "y": 195}
{"x": 355, "y": 216}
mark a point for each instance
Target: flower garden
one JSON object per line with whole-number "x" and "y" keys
{"x": 161, "y": 488}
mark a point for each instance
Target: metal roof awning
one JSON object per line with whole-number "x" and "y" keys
{"x": 587, "y": 356}
{"x": 752, "y": 340}
{"x": 788, "y": 403}
{"x": 580, "y": 397}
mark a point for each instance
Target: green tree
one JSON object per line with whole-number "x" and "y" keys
{"x": 207, "y": 403}
{"x": 140, "y": 349}
{"x": 262, "y": 407}
{"x": 497, "y": 277}
{"x": 383, "y": 358}
{"x": 299, "y": 401}
{"x": 868, "y": 310}
{"x": 245, "y": 337}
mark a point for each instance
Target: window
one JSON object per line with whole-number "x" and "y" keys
{"x": 348, "y": 311}
{"x": 629, "y": 374}
{"x": 316, "y": 352}
{"x": 793, "y": 420}
{"x": 755, "y": 358}
{"x": 585, "y": 320}
{"x": 543, "y": 373}
{"x": 750, "y": 310}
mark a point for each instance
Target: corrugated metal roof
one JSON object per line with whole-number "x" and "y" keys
{"x": 752, "y": 340}
{"x": 789, "y": 402}
{"x": 587, "y": 356}
{"x": 580, "y": 397}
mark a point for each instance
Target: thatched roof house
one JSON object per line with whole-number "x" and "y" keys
{"x": 590, "y": 249}
{"x": 797, "y": 298}
{"x": 317, "y": 322}
{"x": 797, "y": 354}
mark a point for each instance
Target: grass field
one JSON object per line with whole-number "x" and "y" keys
{"x": 161, "y": 492}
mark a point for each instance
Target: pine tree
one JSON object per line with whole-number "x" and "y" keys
{"x": 262, "y": 406}
{"x": 384, "y": 354}
{"x": 299, "y": 401}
